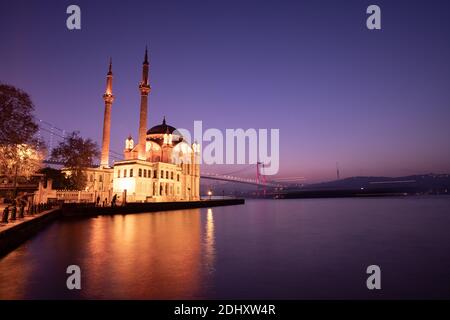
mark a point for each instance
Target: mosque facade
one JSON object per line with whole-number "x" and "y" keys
{"x": 161, "y": 166}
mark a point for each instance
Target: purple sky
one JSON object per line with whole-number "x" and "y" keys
{"x": 375, "y": 101}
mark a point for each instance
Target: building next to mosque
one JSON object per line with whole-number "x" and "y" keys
{"x": 161, "y": 166}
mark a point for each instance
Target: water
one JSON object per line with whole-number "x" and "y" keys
{"x": 291, "y": 249}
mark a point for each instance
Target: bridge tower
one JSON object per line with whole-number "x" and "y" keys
{"x": 338, "y": 175}
{"x": 260, "y": 178}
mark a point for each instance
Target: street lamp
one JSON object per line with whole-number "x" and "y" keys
{"x": 209, "y": 194}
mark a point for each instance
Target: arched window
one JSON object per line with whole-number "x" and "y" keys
{"x": 145, "y": 173}
{"x": 167, "y": 174}
{"x": 124, "y": 173}
{"x": 131, "y": 173}
{"x": 118, "y": 173}
{"x": 154, "y": 174}
{"x": 162, "y": 174}
{"x": 178, "y": 177}
{"x": 140, "y": 172}
{"x": 171, "y": 175}
{"x": 100, "y": 178}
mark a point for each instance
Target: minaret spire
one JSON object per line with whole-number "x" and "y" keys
{"x": 146, "y": 55}
{"x": 110, "y": 66}
{"x": 108, "y": 97}
{"x": 145, "y": 69}
{"x": 109, "y": 77}
{"x": 144, "y": 88}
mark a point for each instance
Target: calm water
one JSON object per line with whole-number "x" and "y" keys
{"x": 264, "y": 249}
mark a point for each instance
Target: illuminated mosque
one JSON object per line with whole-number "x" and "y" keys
{"x": 161, "y": 166}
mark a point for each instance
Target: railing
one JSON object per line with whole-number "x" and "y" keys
{"x": 74, "y": 196}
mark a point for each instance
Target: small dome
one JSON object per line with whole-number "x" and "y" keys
{"x": 161, "y": 128}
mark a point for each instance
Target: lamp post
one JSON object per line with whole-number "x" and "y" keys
{"x": 15, "y": 181}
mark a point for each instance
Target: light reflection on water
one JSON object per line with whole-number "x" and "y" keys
{"x": 316, "y": 248}
{"x": 209, "y": 241}
{"x": 156, "y": 255}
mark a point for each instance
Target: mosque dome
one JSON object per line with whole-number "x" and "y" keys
{"x": 163, "y": 133}
{"x": 162, "y": 128}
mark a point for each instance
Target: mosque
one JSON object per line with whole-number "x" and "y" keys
{"x": 161, "y": 166}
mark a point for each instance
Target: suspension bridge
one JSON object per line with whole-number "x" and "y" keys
{"x": 260, "y": 179}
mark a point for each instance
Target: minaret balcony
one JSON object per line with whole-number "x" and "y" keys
{"x": 144, "y": 88}
{"x": 108, "y": 97}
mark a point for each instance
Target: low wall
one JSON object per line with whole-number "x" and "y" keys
{"x": 15, "y": 235}
{"x": 72, "y": 209}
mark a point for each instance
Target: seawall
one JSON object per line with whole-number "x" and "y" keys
{"x": 14, "y": 234}
{"x": 86, "y": 210}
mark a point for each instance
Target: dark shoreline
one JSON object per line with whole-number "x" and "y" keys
{"x": 350, "y": 193}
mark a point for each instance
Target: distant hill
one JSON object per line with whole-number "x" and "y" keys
{"x": 365, "y": 186}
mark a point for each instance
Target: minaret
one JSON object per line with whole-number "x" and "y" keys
{"x": 144, "y": 88}
{"x": 109, "y": 99}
